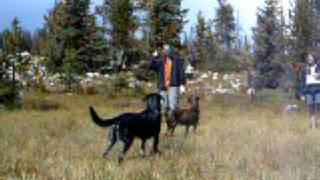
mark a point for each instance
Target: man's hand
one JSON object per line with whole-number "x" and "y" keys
{"x": 182, "y": 89}
{"x": 302, "y": 98}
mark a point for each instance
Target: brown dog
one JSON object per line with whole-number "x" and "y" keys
{"x": 187, "y": 117}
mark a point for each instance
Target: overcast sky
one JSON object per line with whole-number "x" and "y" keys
{"x": 31, "y": 12}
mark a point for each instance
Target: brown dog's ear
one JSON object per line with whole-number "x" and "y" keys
{"x": 188, "y": 96}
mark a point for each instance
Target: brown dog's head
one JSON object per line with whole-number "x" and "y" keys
{"x": 194, "y": 101}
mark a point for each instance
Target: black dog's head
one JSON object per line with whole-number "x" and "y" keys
{"x": 153, "y": 102}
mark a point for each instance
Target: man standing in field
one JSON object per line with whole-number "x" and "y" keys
{"x": 310, "y": 88}
{"x": 170, "y": 71}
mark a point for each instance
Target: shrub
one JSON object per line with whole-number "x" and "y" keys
{"x": 39, "y": 102}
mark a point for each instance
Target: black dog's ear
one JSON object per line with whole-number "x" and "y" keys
{"x": 161, "y": 97}
{"x": 145, "y": 98}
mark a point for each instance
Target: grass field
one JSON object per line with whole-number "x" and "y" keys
{"x": 235, "y": 140}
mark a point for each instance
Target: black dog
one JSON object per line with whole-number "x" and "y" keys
{"x": 126, "y": 127}
{"x": 187, "y": 117}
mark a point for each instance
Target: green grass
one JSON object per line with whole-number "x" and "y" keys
{"x": 235, "y": 140}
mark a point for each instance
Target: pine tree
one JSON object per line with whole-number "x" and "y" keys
{"x": 13, "y": 38}
{"x": 38, "y": 40}
{"x": 123, "y": 23}
{"x": 316, "y": 8}
{"x": 120, "y": 24}
{"x": 225, "y": 26}
{"x": 200, "y": 41}
{"x": 53, "y": 47}
{"x": 167, "y": 20}
{"x": 144, "y": 9}
{"x": 72, "y": 37}
{"x": 246, "y": 45}
{"x": 304, "y": 29}
{"x": 13, "y": 44}
{"x": 266, "y": 48}
{"x": 205, "y": 45}
{"x": 1, "y": 41}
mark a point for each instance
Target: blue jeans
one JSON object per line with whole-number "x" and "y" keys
{"x": 171, "y": 99}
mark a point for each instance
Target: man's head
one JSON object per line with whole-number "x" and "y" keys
{"x": 310, "y": 59}
{"x": 166, "y": 49}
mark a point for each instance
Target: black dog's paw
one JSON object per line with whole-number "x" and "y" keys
{"x": 143, "y": 154}
{"x": 104, "y": 155}
{"x": 157, "y": 152}
{"x": 120, "y": 160}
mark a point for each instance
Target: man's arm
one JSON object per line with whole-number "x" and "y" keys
{"x": 182, "y": 71}
{"x": 153, "y": 64}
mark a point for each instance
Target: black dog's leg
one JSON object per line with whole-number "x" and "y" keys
{"x": 113, "y": 138}
{"x": 195, "y": 126}
{"x": 143, "y": 148}
{"x": 155, "y": 144}
{"x": 127, "y": 145}
{"x": 187, "y": 129}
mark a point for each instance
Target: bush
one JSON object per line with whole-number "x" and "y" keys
{"x": 90, "y": 90}
{"x": 122, "y": 85}
{"x": 275, "y": 96}
{"x": 8, "y": 97}
{"x": 41, "y": 103}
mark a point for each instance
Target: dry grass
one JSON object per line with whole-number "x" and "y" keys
{"x": 235, "y": 140}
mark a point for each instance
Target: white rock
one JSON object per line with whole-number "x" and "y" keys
{"x": 90, "y": 75}
{"x": 291, "y": 108}
{"x": 251, "y": 91}
{"x": 226, "y": 77}
{"x": 215, "y": 76}
{"x": 149, "y": 85}
{"x": 204, "y": 76}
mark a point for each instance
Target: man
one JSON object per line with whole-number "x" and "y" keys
{"x": 170, "y": 71}
{"x": 310, "y": 89}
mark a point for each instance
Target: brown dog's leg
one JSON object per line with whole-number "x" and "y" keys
{"x": 173, "y": 129}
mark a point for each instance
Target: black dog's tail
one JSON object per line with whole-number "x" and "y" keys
{"x": 100, "y": 122}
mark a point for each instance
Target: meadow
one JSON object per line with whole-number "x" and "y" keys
{"x": 236, "y": 139}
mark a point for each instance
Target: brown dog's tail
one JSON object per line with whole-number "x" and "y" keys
{"x": 100, "y": 122}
